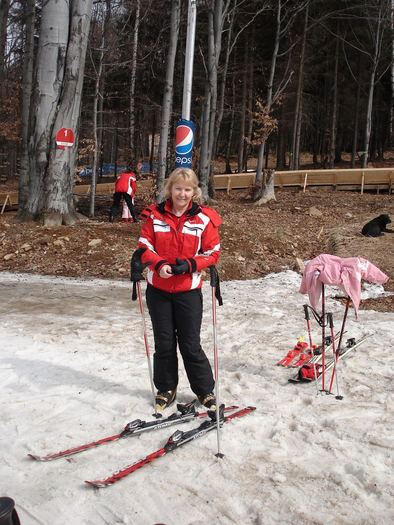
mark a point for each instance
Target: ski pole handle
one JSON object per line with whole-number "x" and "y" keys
{"x": 213, "y": 275}
{"x": 136, "y": 269}
{"x": 306, "y": 311}
{"x": 215, "y": 283}
{"x": 330, "y": 320}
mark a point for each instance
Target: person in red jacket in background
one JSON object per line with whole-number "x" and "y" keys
{"x": 179, "y": 238}
{"x": 125, "y": 186}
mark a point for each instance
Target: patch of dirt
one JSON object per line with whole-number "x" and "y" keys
{"x": 255, "y": 240}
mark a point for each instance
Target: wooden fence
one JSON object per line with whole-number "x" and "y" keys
{"x": 368, "y": 178}
{"x": 360, "y": 179}
{"x": 10, "y": 199}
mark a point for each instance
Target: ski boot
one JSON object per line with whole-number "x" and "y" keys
{"x": 164, "y": 400}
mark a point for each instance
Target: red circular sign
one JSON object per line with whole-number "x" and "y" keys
{"x": 65, "y": 138}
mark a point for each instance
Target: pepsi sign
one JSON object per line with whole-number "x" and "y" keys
{"x": 184, "y": 138}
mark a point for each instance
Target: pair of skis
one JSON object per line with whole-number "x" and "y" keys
{"x": 302, "y": 353}
{"x": 351, "y": 344}
{"x": 176, "y": 440}
{"x": 300, "y": 348}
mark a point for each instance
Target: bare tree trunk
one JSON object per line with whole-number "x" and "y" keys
{"x": 133, "y": 77}
{"x": 152, "y": 145}
{"x": 230, "y": 131}
{"x": 281, "y": 147}
{"x": 204, "y": 162}
{"x": 215, "y": 26}
{"x": 222, "y": 87}
{"x": 242, "y": 125}
{"x": 264, "y": 189}
{"x": 334, "y": 116}
{"x": 214, "y": 57}
{"x": 53, "y": 39}
{"x": 269, "y": 188}
{"x": 167, "y": 98}
{"x": 260, "y": 161}
{"x": 4, "y": 9}
{"x": 355, "y": 126}
{"x": 60, "y": 67}
{"x": 27, "y": 87}
{"x": 248, "y": 140}
{"x": 295, "y": 153}
{"x": 391, "y": 130}
{"x": 98, "y": 96}
{"x": 368, "y": 122}
{"x": 377, "y": 45}
{"x": 298, "y": 137}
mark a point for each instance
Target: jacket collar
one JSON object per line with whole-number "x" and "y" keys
{"x": 165, "y": 206}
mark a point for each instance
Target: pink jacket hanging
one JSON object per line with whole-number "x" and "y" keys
{"x": 343, "y": 272}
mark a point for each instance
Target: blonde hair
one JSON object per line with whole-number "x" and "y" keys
{"x": 186, "y": 175}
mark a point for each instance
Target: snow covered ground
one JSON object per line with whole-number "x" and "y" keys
{"x": 73, "y": 369}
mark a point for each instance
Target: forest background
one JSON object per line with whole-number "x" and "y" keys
{"x": 276, "y": 84}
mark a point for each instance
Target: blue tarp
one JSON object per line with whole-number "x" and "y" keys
{"x": 109, "y": 169}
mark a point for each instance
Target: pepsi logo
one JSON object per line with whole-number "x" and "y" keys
{"x": 183, "y": 140}
{"x": 180, "y": 161}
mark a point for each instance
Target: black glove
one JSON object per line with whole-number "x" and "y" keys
{"x": 136, "y": 266}
{"x": 182, "y": 266}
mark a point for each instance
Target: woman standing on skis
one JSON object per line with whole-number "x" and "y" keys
{"x": 179, "y": 238}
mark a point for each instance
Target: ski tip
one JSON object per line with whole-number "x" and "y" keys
{"x": 96, "y": 484}
{"x": 38, "y": 458}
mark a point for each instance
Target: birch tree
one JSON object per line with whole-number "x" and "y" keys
{"x": 27, "y": 86}
{"x": 295, "y": 150}
{"x": 98, "y": 97}
{"x": 377, "y": 16}
{"x": 58, "y": 89}
{"x": 133, "y": 75}
{"x": 167, "y": 97}
{"x": 216, "y": 13}
{"x": 4, "y": 9}
{"x": 286, "y": 14}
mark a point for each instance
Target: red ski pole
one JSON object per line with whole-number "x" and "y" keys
{"x": 323, "y": 342}
{"x": 308, "y": 325}
{"x": 216, "y": 295}
{"x": 136, "y": 278}
{"x": 339, "y": 348}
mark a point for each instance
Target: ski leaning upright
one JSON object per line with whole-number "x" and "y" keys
{"x": 187, "y": 413}
{"x": 175, "y": 441}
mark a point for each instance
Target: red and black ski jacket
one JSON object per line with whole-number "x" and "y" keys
{"x": 126, "y": 183}
{"x": 193, "y": 236}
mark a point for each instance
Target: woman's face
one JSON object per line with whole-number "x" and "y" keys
{"x": 181, "y": 194}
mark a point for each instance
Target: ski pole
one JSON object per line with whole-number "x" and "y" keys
{"x": 335, "y": 357}
{"x": 136, "y": 278}
{"x": 339, "y": 343}
{"x": 308, "y": 324}
{"x": 216, "y": 295}
{"x": 323, "y": 327}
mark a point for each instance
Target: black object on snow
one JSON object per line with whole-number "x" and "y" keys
{"x": 8, "y": 514}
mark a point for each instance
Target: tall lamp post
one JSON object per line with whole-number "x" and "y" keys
{"x": 184, "y": 136}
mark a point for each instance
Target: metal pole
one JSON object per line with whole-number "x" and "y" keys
{"x": 214, "y": 284}
{"x": 189, "y": 57}
{"x": 145, "y": 333}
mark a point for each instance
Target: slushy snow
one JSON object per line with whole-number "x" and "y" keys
{"x": 73, "y": 369}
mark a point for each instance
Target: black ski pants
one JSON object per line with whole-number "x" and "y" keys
{"x": 115, "y": 208}
{"x": 176, "y": 318}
